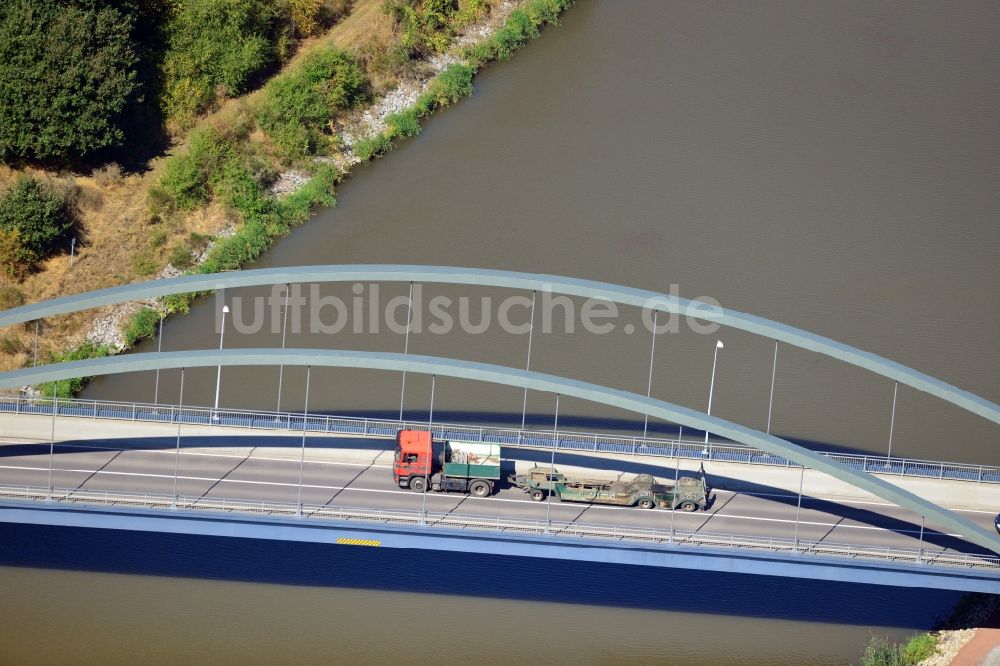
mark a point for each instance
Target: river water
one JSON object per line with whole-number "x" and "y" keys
{"x": 830, "y": 166}
{"x": 70, "y": 617}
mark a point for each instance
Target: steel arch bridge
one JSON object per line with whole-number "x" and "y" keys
{"x": 555, "y": 284}
{"x": 508, "y": 376}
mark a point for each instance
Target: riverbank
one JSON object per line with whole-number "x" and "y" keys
{"x": 238, "y": 180}
{"x": 969, "y": 634}
{"x": 967, "y": 637}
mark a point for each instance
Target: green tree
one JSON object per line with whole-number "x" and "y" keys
{"x": 303, "y": 15}
{"x": 38, "y": 215}
{"x": 67, "y": 76}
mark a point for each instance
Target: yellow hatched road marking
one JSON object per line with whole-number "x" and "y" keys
{"x": 358, "y": 542}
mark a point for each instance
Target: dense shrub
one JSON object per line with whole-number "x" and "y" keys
{"x": 297, "y": 207}
{"x": 451, "y": 85}
{"x": 373, "y": 146}
{"x": 298, "y": 105}
{"x": 404, "y": 123}
{"x": 214, "y": 45}
{"x": 179, "y": 303}
{"x": 187, "y": 176}
{"x": 67, "y": 74}
{"x": 15, "y": 260}
{"x": 263, "y": 219}
{"x": 880, "y": 652}
{"x": 67, "y": 388}
{"x": 184, "y": 181}
{"x": 522, "y": 24}
{"x": 142, "y": 325}
{"x": 144, "y": 264}
{"x": 918, "y": 648}
{"x": 425, "y": 25}
{"x": 180, "y": 256}
{"x": 33, "y": 218}
{"x": 447, "y": 87}
{"x": 304, "y": 15}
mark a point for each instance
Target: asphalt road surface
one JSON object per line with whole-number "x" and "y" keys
{"x": 254, "y": 475}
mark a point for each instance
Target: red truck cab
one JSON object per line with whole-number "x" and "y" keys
{"x": 464, "y": 467}
{"x": 413, "y": 461}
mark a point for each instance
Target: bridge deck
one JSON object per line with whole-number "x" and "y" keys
{"x": 357, "y": 482}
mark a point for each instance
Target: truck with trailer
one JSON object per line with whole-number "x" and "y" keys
{"x": 420, "y": 463}
{"x": 688, "y": 494}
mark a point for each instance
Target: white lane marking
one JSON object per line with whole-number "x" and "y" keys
{"x": 173, "y": 452}
{"x": 455, "y": 497}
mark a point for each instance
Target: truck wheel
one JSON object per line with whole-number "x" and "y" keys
{"x": 479, "y": 489}
{"x": 645, "y": 503}
{"x": 688, "y": 506}
{"x": 537, "y": 494}
{"x": 418, "y": 484}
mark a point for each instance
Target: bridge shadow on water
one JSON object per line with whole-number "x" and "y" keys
{"x": 490, "y": 576}
{"x": 477, "y": 575}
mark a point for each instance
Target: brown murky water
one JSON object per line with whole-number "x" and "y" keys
{"x": 834, "y": 167}
{"x": 831, "y": 166}
{"x": 63, "y": 617}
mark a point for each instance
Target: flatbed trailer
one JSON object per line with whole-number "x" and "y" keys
{"x": 688, "y": 494}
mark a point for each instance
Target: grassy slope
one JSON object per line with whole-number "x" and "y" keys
{"x": 124, "y": 243}
{"x": 114, "y": 219}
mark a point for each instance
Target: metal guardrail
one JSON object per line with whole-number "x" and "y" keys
{"x": 498, "y": 524}
{"x": 512, "y": 437}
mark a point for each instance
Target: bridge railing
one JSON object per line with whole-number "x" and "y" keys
{"x": 500, "y": 524}
{"x": 564, "y": 440}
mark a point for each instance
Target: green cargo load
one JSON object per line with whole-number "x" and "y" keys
{"x": 471, "y": 460}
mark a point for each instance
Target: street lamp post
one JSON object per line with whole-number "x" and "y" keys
{"x": 52, "y": 438}
{"x": 406, "y": 350}
{"x": 711, "y": 389}
{"x": 430, "y": 429}
{"x": 302, "y": 457}
{"x": 159, "y": 348}
{"x": 677, "y": 475}
{"x": 527, "y": 367}
{"x": 649, "y": 381}
{"x": 770, "y": 400}
{"x": 552, "y": 469}
{"x": 920, "y": 552}
{"x": 281, "y": 368}
{"x": 892, "y": 423}
{"x": 798, "y": 506}
{"x": 218, "y": 372}
{"x": 177, "y": 452}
